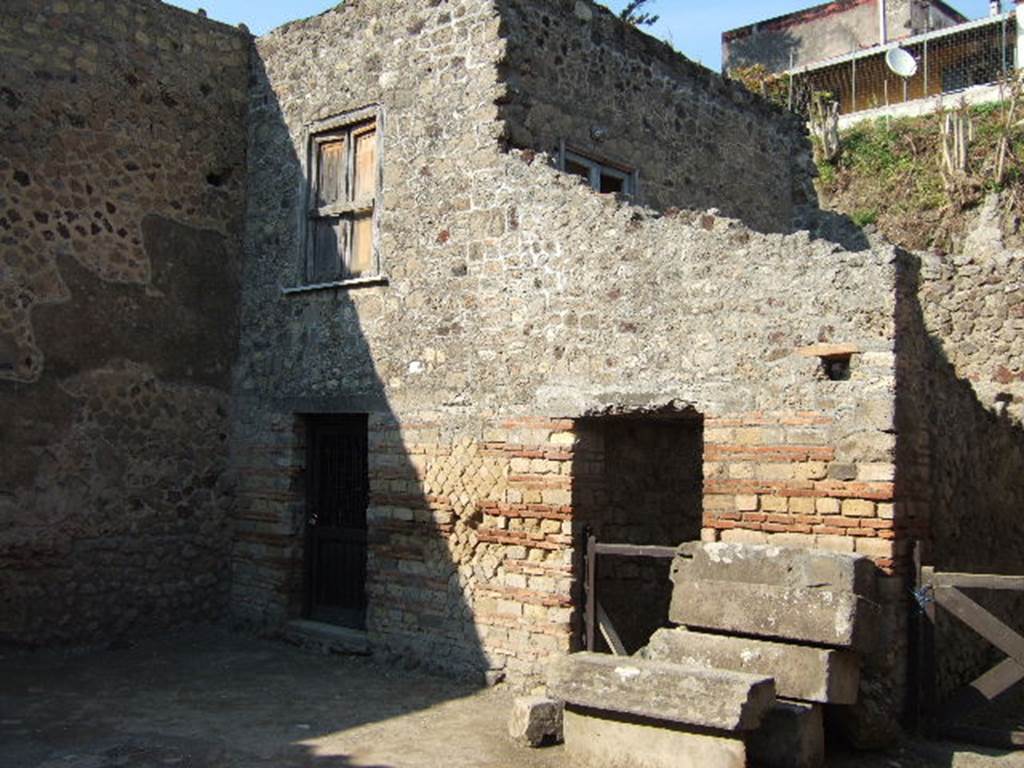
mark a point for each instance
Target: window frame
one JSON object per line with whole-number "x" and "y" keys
{"x": 347, "y": 127}
{"x": 597, "y": 167}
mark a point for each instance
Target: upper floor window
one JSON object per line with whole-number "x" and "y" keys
{"x": 344, "y": 198}
{"x": 602, "y": 175}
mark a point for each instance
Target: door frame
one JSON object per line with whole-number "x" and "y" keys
{"x": 311, "y": 422}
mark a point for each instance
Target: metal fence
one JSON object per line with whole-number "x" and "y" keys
{"x": 948, "y": 62}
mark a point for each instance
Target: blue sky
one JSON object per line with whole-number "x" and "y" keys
{"x": 692, "y": 26}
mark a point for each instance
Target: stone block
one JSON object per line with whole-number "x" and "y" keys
{"x": 729, "y": 701}
{"x": 777, "y": 566}
{"x": 596, "y": 740}
{"x": 791, "y": 736}
{"x": 801, "y": 672}
{"x": 535, "y": 721}
{"x": 836, "y": 619}
{"x": 787, "y": 593}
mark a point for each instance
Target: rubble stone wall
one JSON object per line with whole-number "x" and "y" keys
{"x": 122, "y": 156}
{"x": 574, "y": 73}
{"x": 516, "y": 303}
{"x": 965, "y": 410}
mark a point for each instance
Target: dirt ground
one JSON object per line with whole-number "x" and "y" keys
{"x": 211, "y": 699}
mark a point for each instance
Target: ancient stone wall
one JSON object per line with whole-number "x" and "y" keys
{"x": 122, "y": 155}
{"x": 574, "y": 74}
{"x": 964, "y": 407}
{"x": 512, "y": 302}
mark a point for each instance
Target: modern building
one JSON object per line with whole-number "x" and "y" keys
{"x": 841, "y": 48}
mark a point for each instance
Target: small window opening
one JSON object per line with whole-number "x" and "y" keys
{"x": 611, "y": 184}
{"x": 577, "y": 169}
{"x": 836, "y": 368}
{"x": 834, "y": 359}
{"x": 601, "y": 175}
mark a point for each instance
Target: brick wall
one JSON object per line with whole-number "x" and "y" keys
{"x": 775, "y": 478}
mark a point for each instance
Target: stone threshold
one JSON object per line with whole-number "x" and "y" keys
{"x": 328, "y": 637}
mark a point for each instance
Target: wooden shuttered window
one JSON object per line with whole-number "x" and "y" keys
{"x": 342, "y": 214}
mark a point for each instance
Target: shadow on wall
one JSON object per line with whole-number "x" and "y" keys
{"x": 306, "y": 360}
{"x": 118, "y": 319}
{"x": 959, "y": 475}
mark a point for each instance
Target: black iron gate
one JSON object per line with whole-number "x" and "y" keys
{"x": 336, "y": 499}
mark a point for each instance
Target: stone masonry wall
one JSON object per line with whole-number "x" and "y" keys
{"x": 517, "y": 302}
{"x": 966, "y": 408}
{"x": 122, "y": 153}
{"x": 574, "y": 73}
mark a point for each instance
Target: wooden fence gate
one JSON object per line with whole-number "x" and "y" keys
{"x": 594, "y": 617}
{"x": 944, "y": 589}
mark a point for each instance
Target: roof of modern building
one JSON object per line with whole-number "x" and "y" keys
{"x": 820, "y": 11}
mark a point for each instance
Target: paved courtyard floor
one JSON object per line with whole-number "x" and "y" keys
{"x": 211, "y": 699}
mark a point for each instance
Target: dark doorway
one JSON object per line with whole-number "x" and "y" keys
{"x": 337, "y": 493}
{"x": 638, "y": 480}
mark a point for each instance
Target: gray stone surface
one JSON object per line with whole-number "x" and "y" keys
{"x": 536, "y": 721}
{"x": 328, "y": 637}
{"x": 731, "y": 701}
{"x": 837, "y": 619}
{"x": 792, "y": 735}
{"x": 598, "y": 741}
{"x": 792, "y": 567}
{"x": 801, "y": 672}
{"x": 775, "y": 592}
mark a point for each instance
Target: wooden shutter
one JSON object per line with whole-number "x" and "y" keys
{"x": 328, "y": 244}
{"x": 330, "y": 182}
{"x": 362, "y": 245}
{"x": 341, "y": 223}
{"x": 365, "y": 182}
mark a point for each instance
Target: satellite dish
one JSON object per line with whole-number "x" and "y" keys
{"x": 900, "y": 61}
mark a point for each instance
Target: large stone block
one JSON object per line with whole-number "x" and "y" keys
{"x": 801, "y": 672}
{"x": 599, "y": 741}
{"x": 729, "y": 701}
{"x": 791, "y": 736}
{"x": 535, "y": 721}
{"x": 792, "y": 567}
{"x": 777, "y": 592}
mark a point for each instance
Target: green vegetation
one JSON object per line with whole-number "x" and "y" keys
{"x": 633, "y": 14}
{"x": 863, "y": 218}
{"x": 889, "y": 174}
{"x": 757, "y": 79}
